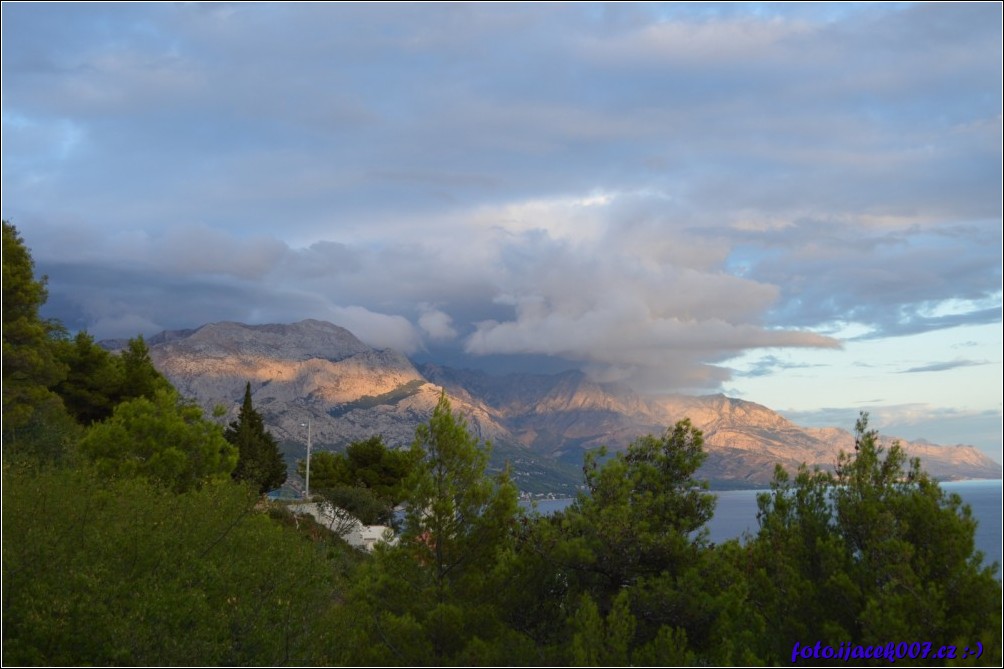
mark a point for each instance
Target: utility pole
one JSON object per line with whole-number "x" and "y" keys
{"x": 306, "y": 492}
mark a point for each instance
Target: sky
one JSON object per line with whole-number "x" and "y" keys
{"x": 797, "y": 205}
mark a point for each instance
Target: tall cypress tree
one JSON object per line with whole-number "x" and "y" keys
{"x": 259, "y": 462}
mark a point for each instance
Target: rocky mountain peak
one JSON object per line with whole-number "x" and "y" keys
{"x": 714, "y": 412}
{"x": 305, "y": 340}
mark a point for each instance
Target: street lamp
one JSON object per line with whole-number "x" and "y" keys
{"x": 306, "y": 492}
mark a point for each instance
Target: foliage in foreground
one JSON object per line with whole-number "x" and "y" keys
{"x": 128, "y": 572}
{"x": 873, "y": 553}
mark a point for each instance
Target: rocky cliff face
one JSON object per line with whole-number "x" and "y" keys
{"x": 320, "y": 372}
{"x": 310, "y": 370}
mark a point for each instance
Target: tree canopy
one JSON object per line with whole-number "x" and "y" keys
{"x": 30, "y": 365}
{"x": 165, "y": 439}
{"x": 876, "y": 550}
{"x": 643, "y": 509}
{"x": 367, "y": 480}
{"x": 97, "y": 381}
{"x": 628, "y": 565}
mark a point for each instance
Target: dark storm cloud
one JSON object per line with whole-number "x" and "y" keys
{"x": 644, "y": 190}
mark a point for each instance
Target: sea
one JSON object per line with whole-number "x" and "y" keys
{"x": 735, "y": 513}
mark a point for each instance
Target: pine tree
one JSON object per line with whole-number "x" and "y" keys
{"x": 875, "y": 550}
{"x": 139, "y": 377}
{"x": 165, "y": 439}
{"x": 260, "y": 462}
{"x": 458, "y": 517}
{"x": 97, "y": 381}
{"x": 29, "y": 362}
{"x": 35, "y": 422}
{"x": 431, "y": 600}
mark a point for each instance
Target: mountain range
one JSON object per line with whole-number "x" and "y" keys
{"x": 318, "y": 373}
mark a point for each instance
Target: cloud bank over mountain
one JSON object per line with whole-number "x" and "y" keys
{"x": 644, "y": 192}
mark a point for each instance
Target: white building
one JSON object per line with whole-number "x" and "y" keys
{"x": 347, "y": 526}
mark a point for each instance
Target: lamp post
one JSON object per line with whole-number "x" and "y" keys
{"x": 306, "y": 491}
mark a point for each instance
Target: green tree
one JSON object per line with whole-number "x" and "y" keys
{"x": 432, "y": 599}
{"x": 875, "y": 551}
{"x": 367, "y": 480}
{"x": 913, "y": 550}
{"x": 93, "y": 383}
{"x": 30, "y": 366}
{"x": 642, "y": 511}
{"x": 599, "y": 642}
{"x": 627, "y": 571}
{"x": 164, "y": 439}
{"x": 97, "y": 381}
{"x": 372, "y": 465}
{"x": 327, "y": 470}
{"x": 139, "y": 377}
{"x": 259, "y": 461}
{"x": 458, "y": 518}
{"x": 798, "y": 566}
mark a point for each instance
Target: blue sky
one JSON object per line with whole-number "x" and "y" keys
{"x": 795, "y": 205}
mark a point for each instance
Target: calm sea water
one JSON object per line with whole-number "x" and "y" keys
{"x": 735, "y": 513}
